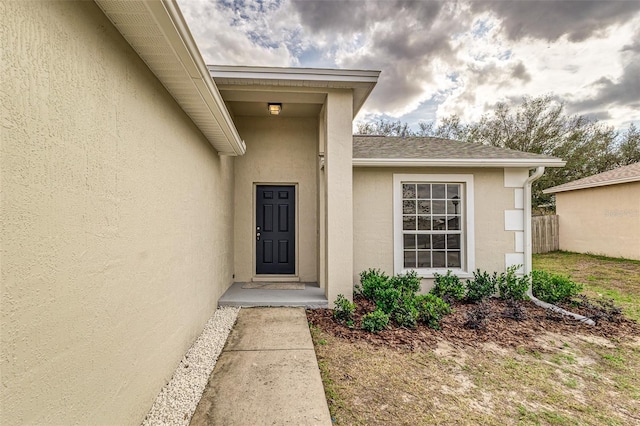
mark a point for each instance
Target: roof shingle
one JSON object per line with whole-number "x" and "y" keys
{"x": 431, "y": 148}
{"x": 624, "y": 174}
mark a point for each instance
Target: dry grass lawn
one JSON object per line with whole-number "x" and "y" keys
{"x": 575, "y": 379}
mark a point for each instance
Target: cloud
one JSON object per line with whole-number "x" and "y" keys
{"x": 615, "y": 97}
{"x": 621, "y": 91}
{"x": 241, "y": 33}
{"x": 599, "y": 115}
{"x": 564, "y": 68}
{"x": 414, "y": 57}
{"x": 354, "y": 16}
{"x": 634, "y": 46}
{"x": 519, "y": 71}
{"x": 550, "y": 20}
{"x": 482, "y": 85}
{"x": 452, "y": 56}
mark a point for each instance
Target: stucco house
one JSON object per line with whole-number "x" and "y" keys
{"x": 138, "y": 185}
{"x": 600, "y": 214}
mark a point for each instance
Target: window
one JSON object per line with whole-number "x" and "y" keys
{"x": 433, "y": 223}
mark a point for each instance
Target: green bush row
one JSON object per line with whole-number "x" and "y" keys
{"x": 395, "y": 297}
{"x": 507, "y": 284}
{"x": 548, "y": 287}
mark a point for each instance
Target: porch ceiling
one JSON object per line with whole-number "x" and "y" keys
{"x": 254, "y": 103}
{"x": 259, "y": 109}
{"x": 291, "y": 85}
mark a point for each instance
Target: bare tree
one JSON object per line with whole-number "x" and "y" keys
{"x": 384, "y": 127}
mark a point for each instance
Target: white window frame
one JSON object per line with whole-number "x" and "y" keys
{"x": 468, "y": 240}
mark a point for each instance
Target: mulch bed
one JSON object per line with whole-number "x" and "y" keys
{"x": 498, "y": 328}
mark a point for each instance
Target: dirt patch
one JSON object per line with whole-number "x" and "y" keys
{"x": 499, "y": 330}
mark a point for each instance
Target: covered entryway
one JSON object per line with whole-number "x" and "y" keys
{"x": 275, "y": 229}
{"x": 297, "y": 128}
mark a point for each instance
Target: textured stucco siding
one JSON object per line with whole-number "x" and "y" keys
{"x": 603, "y": 220}
{"x": 116, "y": 213}
{"x": 373, "y": 217}
{"x": 279, "y": 151}
{"x": 338, "y": 195}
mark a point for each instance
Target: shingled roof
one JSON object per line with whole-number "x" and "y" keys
{"x": 624, "y": 174}
{"x": 430, "y": 151}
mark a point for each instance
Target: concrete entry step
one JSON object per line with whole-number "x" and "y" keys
{"x": 307, "y": 295}
{"x": 267, "y": 374}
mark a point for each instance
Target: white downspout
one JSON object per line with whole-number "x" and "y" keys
{"x": 528, "y": 250}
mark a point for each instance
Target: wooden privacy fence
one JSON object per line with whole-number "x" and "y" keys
{"x": 544, "y": 234}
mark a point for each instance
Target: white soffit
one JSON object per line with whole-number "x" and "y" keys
{"x": 158, "y": 33}
{"x": 361, "y": 82}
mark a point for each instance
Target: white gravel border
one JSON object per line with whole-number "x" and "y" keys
{"x": 178, "y": 399}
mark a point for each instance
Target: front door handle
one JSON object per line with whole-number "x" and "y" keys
{"x": 258, "y": 236}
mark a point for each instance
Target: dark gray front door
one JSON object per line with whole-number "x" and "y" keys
{"x": 275, "y": 229}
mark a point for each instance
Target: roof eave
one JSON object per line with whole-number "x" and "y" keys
{"x": 285, "y": 73}
{"x": 361, "y": 82}
{"x": 453, "y": 162}
{"x": 559, "y": 188}
{"x": 166, "y": 15}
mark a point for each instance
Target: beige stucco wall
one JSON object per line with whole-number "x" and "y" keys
{"x": 337, "y": 181}
{"x": 116, "y": 235}
{"x": 373, "y": 217}
{"x": 603, "y": 220}
{"x": 279, "y": 151}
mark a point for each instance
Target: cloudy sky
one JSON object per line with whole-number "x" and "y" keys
{"x": 442, "y": 57}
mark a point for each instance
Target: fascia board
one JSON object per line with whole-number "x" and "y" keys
{"x": 474, "y": 162}
{"x": 169, "y": 20}
{"x": 592, "y": 185}
{"x": 221, "y": 116}
{"x": 295, "y": 74}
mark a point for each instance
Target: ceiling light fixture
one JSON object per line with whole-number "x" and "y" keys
{"x": 274, "y": 109}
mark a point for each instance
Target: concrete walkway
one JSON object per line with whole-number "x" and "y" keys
{"x": 267, "y": 374}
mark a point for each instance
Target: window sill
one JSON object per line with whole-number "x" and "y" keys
{"x": 429, "y": 273}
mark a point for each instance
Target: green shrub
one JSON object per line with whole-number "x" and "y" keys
{"x": 448, "y": 287}
{"x": 408, "y": 284}
{"x": 343, "y": 310}
{"x": 375, "y": 321}
{"x": 388, "y": 293}
{"x": 387, "y": 299}
{"x": 431, "y": 309}
{"x": 396, "y": 298}
{"x": 482, "y": 286}
{"x": 371, "y": 281}
{"x": 553, "y": 288}
{"x": 512, "y": 286}
{"x": 406, "y": 314}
